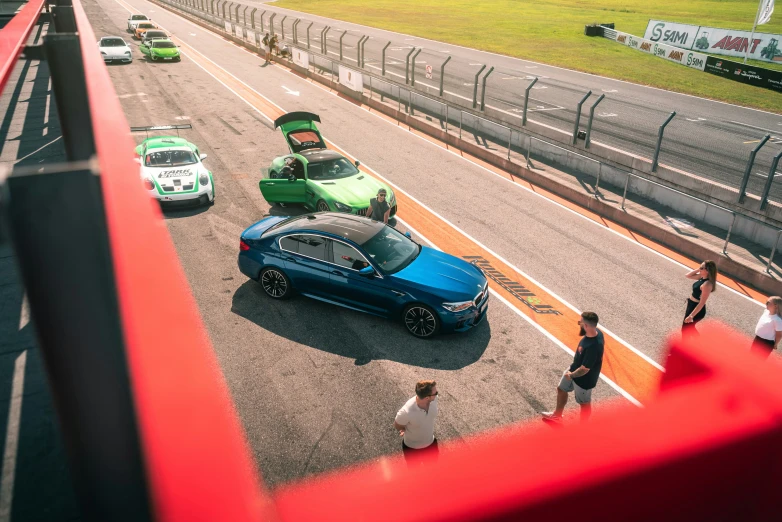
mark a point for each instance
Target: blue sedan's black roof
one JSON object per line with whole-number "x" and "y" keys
{"x": 358, "y": 229}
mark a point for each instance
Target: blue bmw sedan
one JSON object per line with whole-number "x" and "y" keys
{"x": 364, "y": 265}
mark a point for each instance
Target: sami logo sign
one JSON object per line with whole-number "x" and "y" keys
{"x": 679, "y": 35}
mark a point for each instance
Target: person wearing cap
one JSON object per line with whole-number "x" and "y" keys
{"x": 379, "y": 209}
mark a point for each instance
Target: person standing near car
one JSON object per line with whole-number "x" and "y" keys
{"x": 768, "y": 331}
{"x": 705, "y": 284}
{"x": 415, "y": 422}
{"x": 266, "y": 48}
{"x": 273, "y": 43}
{"x": 582, "y": 375}
{"x": 379, "y": 209}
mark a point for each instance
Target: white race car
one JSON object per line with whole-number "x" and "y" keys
{"x": 171, "y": 169}
{"x": 114, "y": 49}
{"x": 136, "y": 19}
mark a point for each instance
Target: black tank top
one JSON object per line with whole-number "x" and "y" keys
{"x": 696, "y": 288}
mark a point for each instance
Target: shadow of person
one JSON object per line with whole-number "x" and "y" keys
{"x": 356, "y": 335}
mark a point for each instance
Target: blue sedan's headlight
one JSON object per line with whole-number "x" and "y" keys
{"x": 342, "y": 207}
{"x": 457, "y": 307}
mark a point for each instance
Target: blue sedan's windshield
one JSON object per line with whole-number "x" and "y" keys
{"x": 391, "y": 250}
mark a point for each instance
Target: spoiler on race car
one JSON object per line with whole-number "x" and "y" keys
{"x": 296, "y": 116}
{"x": 162, "y": 127}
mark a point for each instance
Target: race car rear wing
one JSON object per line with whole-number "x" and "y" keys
{"x": 147, "y": 130}
{"x": 296, "y": 116}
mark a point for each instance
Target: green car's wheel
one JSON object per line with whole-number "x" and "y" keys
{"x": 393, "y": 211}
{"x": 421, "y": 321}
{"x": 152, "y": 57}
{"x": 275, "y": 283}
{"x": 323, "y": 206}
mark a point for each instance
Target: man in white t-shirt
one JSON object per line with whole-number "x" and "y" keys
{"x": 415, "y": 422}
{"x": 768, "y": 331}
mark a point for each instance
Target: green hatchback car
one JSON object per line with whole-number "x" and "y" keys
{"x": 316, "y": 177}
{"x": 160, "y": 50}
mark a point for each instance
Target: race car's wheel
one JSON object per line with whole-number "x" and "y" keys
{"x": 274, "y": 174}
{"x": 275, "y": 283}
{"x": 393, "y": 211}
{"x": 322, "y": 206}
{"x": 152, "y": 57}
{"x": 421, "y": 321}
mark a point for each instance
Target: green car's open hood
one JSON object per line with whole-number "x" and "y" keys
{"x": 355, "y": 191}
{"x": 300, "y": 131}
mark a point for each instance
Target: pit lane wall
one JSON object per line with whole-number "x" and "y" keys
{"x": 670, "y": 187}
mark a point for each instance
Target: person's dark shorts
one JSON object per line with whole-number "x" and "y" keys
{"x": 417, "y": 456}
{"x": 763, "y": 346}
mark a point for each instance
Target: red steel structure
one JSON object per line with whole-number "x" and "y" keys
{"x": 152, "y": 433}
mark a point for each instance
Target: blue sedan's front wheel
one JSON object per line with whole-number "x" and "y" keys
{"x": 421, "y": 321}
{"x": 275, "y": 283}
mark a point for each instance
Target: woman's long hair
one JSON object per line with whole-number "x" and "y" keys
{"x": 776, "y": 300}
{"x": 711, "y": 268}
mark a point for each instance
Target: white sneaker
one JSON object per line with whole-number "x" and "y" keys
{"x": 548, "y": 416}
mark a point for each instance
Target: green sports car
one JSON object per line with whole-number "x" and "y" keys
{"x": 162, "y": 50}
{"x": 319, "y": 178}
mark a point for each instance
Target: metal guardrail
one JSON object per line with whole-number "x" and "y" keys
{"x": 449, "y": 109}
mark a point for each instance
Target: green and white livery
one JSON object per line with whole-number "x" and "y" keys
{"x": 171, "y": 169}
{"x": 316, "y": 177}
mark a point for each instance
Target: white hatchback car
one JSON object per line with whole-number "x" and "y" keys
{"x": 115, "y": 49}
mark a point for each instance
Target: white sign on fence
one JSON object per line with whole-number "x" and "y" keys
{"x": 727, "y": 42}
{"x": 429, "y": 72}
{"x": 351, "y": 79}
{"x": 670, "y": 33}
{"x": 301, "y": 58}
{"x": 669, "y": 52}
{"x": 251, "y": 37}
{"x": 228, "y": 28}
{"x": 239, "y": 32}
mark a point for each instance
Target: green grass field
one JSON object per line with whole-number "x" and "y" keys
{"x": 552, "y": 31}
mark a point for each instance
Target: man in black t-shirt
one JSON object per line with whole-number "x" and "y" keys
{"x": 379, "y": 209}
{"x": 582, "y": 375}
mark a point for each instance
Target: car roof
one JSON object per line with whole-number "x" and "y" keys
{"x": 358, "y": 229}
{"x": 166, "y": 142}
{"x": 316, "y": 155}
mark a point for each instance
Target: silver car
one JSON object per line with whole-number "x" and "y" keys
{"x": 115, "y": 49}
{"x": 136, "y": 19}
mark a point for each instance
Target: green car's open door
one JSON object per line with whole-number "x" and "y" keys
{"x": 300, "y": 131}
{"x": 283, "y": 190}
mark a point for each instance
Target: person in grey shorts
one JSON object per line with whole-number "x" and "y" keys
{"x": 582, "y": 375}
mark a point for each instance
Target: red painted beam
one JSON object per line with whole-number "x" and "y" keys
{"x": 14, "y": 35}
{"x": 196, "y": 455}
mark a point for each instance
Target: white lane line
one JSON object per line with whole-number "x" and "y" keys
{"x": 586, "y": 218}
{"x": 542, "y": 330}
{"x": 12, "y": 438}
{"x": 24, "y": 312}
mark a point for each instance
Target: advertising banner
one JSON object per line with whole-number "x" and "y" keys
{"x": 671, "y": 33}
{"x": 251, "y": 37}
{"x": 668, "y": 52}
{"x": 301, "y": 58}
{"x": 728, "y": 42}
{"x": 228, "y": 28}
{"x": 239, "y": 32}
{"x": 351, "y": 79}
{"x": 744, "y": 73}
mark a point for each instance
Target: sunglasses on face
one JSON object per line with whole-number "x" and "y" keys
{"x": 434, "y": 394}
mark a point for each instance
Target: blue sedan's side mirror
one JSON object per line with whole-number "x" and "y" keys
{"x": 408, "y": 236}
{"x": 367, "y": 271}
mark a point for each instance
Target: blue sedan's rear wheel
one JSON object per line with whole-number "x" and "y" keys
{"x": 421, "y": 321}
{"x": 275, "y": 283}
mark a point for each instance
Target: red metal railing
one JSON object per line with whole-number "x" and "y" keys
{"x": 14, "y": 35}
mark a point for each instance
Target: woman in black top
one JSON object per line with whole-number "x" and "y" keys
{"x": 705, "y": 283}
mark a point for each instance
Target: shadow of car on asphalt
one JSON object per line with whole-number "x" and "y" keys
{"x": 356, "y": 335}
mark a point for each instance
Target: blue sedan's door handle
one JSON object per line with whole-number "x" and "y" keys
{"x": 337, "y": 272}
{"x": 400, "y": 294}
{"x": 291, "y": 259}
